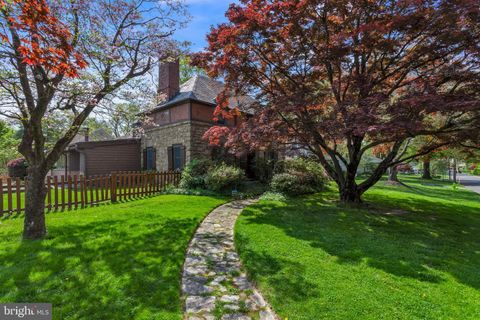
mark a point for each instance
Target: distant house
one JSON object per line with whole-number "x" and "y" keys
{"x": 174, "y": 136}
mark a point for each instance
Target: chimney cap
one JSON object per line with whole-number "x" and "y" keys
{"x": 86, "y": 131}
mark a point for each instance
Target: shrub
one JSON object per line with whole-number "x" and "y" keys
{"x": 301, "y": 166}
{"x": 194, "y": 173}
{"x": 290, "y": 184}
{"x": 298, "y": 176}
{"x": 16, "y": 163}
{"x": 191, "y": 192}
{"x": 17, "y": 168}
{"x": 476, "y": 171}
{"x": 273, "y": 196}
{"x": 224, "y": 178}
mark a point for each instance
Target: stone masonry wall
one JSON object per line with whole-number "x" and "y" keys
{"x": 187, "y": 133}
{"x": 165, "y": 136}
{"x": 199, "y": 147}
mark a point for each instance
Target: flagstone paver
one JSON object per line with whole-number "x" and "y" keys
{"x": 214, "y": 285}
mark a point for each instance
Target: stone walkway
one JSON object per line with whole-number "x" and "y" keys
{"x": 213, "y": 283}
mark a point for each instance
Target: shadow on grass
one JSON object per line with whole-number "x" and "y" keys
{"x": 284, "y": 276}
{"x": 435, "y": 237}
{"x": 97, "y": 270}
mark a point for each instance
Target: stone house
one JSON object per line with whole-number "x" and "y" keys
{"x": 181, "y": 121}
{"x": 172, "y": 137}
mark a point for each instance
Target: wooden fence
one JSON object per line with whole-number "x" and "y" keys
{"x": 77, "y": 191}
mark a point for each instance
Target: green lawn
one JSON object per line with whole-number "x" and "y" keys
{"x": 315, "y": 260}
{"x": 112, "y": 262}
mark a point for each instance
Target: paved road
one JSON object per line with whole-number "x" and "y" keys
{"x": 470, "y": 182}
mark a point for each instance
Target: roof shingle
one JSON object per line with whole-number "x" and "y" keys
{"x": 204, "y": 89}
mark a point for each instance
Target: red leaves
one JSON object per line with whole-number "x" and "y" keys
{"x": 19, "y": 162}
{"x": 333, "y": 71}
{"x": 382, "y": 149}
{"x": 45, "y": 40}
{"x": 215, "y": 134}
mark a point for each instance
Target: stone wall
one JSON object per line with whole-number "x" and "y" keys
{"x": 163, "y": 137}
{"x": 187, "y": 133}
{"x": 199, "y": 147}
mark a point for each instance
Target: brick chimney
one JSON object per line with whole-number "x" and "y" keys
{"x": 86, "y": 134}
{"x": 169, "y": 79}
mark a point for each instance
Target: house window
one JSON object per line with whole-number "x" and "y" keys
{"x": 150, "y": 158}
{"x": 176, "y": 157}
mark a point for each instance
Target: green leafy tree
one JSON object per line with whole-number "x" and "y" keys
{"x": 187, "y": 71}
{"x": 121, "y": 118}
{"x": 8, "y": 145}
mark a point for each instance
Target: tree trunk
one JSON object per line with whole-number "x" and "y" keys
{"x": 393, "y": 174}
{"x": 455, "y": 170}
{"x": 426, "y": 170}
{"x": 350, "y": 196}
{"x": 35, "y": 194}
{"x": 349, "y": 192}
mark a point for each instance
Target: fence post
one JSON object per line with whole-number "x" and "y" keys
{"x": 97, "y": 193}
{"x": 55, "y": 185}
{"x": 9, "y": 195}
{"x": 90, "y": 186}
{"x": 62, "y": 190}
{"x": 1, "y": 197}
{"x": 75, "y": 191}
{"x": 69, "y": 192}
{"x": 82, "y": 191}
{"x": 113, "y": 188}
{"x": 49, "y": 193}
{"x": 18, "y": 195}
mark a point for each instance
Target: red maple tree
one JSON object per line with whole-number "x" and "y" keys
{"x": 44, "y": 49}
{"x": 39, "y": 38}
{"x": 338, "y": 78}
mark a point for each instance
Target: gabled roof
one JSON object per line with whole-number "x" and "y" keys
{"x": 203, "y": 89}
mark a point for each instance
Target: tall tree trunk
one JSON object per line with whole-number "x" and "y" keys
{"x": 454, "y": 170}
{"x": 350, "y": 196}
{"x": 426, "y": 170}
{"x": 35, "y": 194}
{"x": 393, "y": 174}
{"x": 349, "y": 191}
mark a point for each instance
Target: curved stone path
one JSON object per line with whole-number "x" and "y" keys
{"x": 213, "y": 283}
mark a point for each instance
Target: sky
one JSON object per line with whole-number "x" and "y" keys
{"x": 204, "y": 14}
